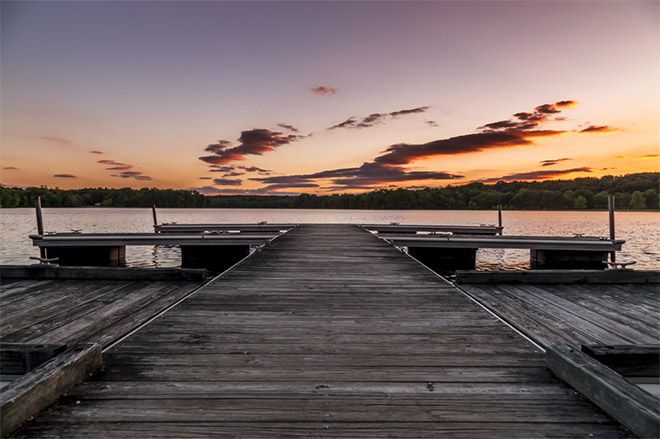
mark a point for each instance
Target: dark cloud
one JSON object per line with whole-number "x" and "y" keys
{"x": 64, "y": 176}
{"x": 366, "y": 176}
{"x": 371, "y": 120}
{"x": 233, "y": 174}
{"x": 96, "y": 151}
{"x": 536, "y": 175}
{"x": 431, "y": 123}
{"x": 553, "y": 161}
{"x": 409, "y": 111}
{"x": 256, "y": 169}
{"x": 227, "y": 182}
{"x": 375, "y": 118}
{"x": 324, "y": 90}
{"x": 501, "y": 134}
{"x": 597, "y": 129}
{"x": 115, "y": 166}
{"x": 137, "y": 175}
{"x": 10, "y": 168}
{"x": 402, "y": 154}
{"x": 252, "y": 142}
{"x": 205, "y": 178}
{"x": 288, "y": 127}
{"x": 348, "y": 123}
{"x": 217, "y": 147}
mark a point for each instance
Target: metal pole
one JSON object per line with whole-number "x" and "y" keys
{"x": 499, "y": 217}
{"x": 40, "y": 224}
{"x": 153, "y": 212}
{"x": 610, "y": 206}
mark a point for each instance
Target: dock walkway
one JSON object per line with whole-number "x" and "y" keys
{"x": 327, "y": 332}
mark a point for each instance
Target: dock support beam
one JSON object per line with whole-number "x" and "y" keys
{"x": 567, "y": 259}
{"x": 216, "y": 258}
{"x": 89, "y": 256}
{"x": 443, "y": 260}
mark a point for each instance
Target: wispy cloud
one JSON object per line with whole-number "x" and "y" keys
{"x": 324, "y": 90}
{"x": 597, "y": 129}
{"x": 10, "y": 168}
{"x": 96, "y": 151}
{"x": 375, "y": 118}
{"x": 553, "y": 161}
{"x": 64, "y": 176}
{"x": 53, "y": 139}
{"x": 536, "y": 175}
{"x": 288, "y": 127}
{"x": 227, "y": 182}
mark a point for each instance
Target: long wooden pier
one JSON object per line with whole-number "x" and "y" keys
{"x": 328, "y": 332}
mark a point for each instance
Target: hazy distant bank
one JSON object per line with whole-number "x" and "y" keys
{"x": 633, "y": 192}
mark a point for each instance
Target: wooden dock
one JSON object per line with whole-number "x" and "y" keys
{"x": 577, "y": 314}
{"x": 328, "y": 332}
{"x": 75, "y": 311}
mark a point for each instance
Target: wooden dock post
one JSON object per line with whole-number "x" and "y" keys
{"x": 40, "y": 225}
{"x": 499, "y": 218}
{"x": 153, "y": 213}
{"x": 610, "y": 207}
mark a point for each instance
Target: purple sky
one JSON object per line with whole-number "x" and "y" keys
{"x": 151, "y": 84}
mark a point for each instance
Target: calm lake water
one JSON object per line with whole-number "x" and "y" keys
{"x": 639, "y": 229}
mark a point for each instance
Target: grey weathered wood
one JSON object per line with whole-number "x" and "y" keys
{"x": 43, "y": 271}
{"x": 74, "y": 311}
{"x": 576, "y": 314}
{"x": 228, "y": 228}
{"x": 524, "y": 242}
{"x": 328, "y": 331}
{"x": 625, "y": 402}
{"x": 559, "y": 277}
{"x": 414, "y": 228}
{"x": 28, "y": 395}
{"x": 125, "y": 239}
{"x": 20, "y": 358}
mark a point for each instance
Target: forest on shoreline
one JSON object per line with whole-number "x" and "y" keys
{"x": 632, "y": 192}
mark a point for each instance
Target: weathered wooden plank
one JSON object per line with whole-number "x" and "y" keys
{"x": 625, "y": 402}
{"x": 559, "y": 277}
{"x": 31, "y": 393}
{"x": 327, "y": 428}
{"x": 44, "y": 271}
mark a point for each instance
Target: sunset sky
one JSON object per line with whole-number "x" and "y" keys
{"x": 290, "y": 97}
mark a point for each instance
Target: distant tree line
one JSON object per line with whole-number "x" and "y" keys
{"x": 633, "y": 192}
{"x": 126, "y": 197}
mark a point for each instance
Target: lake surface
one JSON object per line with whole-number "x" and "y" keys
{"x": 639, "y": 229}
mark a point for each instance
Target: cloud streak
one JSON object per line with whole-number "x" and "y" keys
{"x": 376, "y": 118}
{"x": 64, "y": 176}
{"x": 597, "y": 129}
{"x": 536, "y": 175}
{"x": 324, "y": 90}
{"x": 553, "y": 161}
